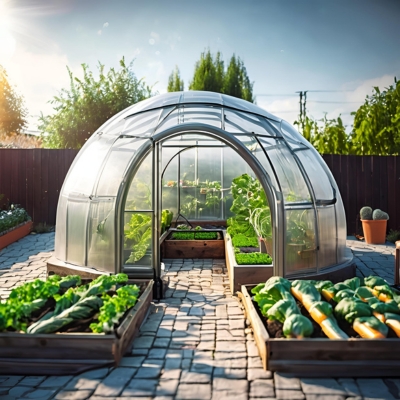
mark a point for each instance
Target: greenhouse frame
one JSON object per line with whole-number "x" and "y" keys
{"x": 181, "y": 151}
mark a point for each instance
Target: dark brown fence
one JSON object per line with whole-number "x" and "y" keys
{"x": 33, "y": 178}
{"x": 367, "y": 181}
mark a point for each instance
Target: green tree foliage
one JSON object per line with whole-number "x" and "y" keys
{"x": 12, "y": 109}
{"x": 376, "y": 128}
{"x": 330, "y": 138}
{"x": 208, "y": 73}
{"x": 236, "y": 80}
{"x": 88, "y": 103}
{"x": 175, "y": 83}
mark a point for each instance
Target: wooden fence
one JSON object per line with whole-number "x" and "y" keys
{"x": 33, "y": 178}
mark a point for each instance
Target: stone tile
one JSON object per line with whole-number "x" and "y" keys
{"x": 286, "y": 382}
{"x": 114, "y": 383}
{"x": 258, "y": 373}
{"x": 18, "y": 391}
{"x": 55, "y": 381}
{"x": 262, "y": 388}
{"x": 289, "y": 394}
{"x": 32, "y": 380}
{"x": 161, "y": 342}
{"x": 171, "y": 374}
{"x": 374, "y": 388}
{"x": 157, "y": 353}
{"x": 167, "y": 387}
{"x": 227, "y": 395}
{"x": 143, "y": 342}
{"x": 193, "y": 392}
{"x": 140, "y": 388}
{"x": 350, "y": 386}
{"x": 73, "y": 394}
{"x": 230, "y": 373}
{"x": 321, "y": 386}
{"x": 148, "y": 372}
{"x": 41, "y": 394}
{"x": 255, "y": 362}
{"x": 172, "y": 363}
{"x": 79, "y": 383}
{"x": 231, "y": 363}
{"x": 132, "y": 361}
{"x": 225, "y": 355}
{"x": 235, "y": 386}
{"x": 230, "y": 346}
{"x": 195, "y": 377}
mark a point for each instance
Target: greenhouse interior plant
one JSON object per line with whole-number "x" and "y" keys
{"x": 374, "y": 223}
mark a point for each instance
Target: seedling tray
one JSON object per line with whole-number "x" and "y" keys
{"x": 322, "y": 357}
{"x": 71, "y": 353}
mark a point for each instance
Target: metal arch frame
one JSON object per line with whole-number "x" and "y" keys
{"x": 274, "y": 198}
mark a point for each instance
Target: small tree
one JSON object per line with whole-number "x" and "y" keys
{"x": 208, "y": 73}
{"x": 89, "y": 103}
{"x": 236, "y": 80}
{"x": 12, "y": 110}
{"x": 175, "y": 83}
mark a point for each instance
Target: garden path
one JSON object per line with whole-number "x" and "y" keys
{"x": 194, "y": 344}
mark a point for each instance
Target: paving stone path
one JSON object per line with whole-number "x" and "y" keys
{"x": 194, "y": 344}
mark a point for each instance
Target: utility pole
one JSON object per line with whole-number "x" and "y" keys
{"x": 303, "y": 103}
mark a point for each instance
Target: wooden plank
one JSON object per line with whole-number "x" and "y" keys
{"x": 30, "y": 182}
{"x": 391, "y": 192}
{"x": 71, "y": 353}
{"x": 37, "y": 190}
{"x": 44, "y": 162}
{"x": 22, "y": 179}
{"x": 53, "y": 185}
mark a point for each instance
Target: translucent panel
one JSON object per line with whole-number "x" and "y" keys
{"x": 327, "y": 236}
{"x": 138, "y": 230}
{"x": 142, "y": 124}
{"x": 300, "y": 252}
{"x": 341, "y": 227}
{"x": 83, "y": 172}
{"x": 101, "y": 235}
{"x": 117, "y": 162}
{"x": 140, "y": 190}
{"x": 290, "y": 133}
{"x": 161, "y": 100}
{"x": 198, "y": 96}
{"x": 239, "y": 122}
{"x": 290, "y": 178}
{"x": 77, "y": 215}
{"x": 170, "y": 189}
{"x": 61, "y": 231}
{"x": 203, "y": 114}
{"x": 114, "y": 129}
{"x": 321, "y": 185}
{"x": 170, "y": 121}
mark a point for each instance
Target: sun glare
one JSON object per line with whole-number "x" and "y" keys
{"x": 7, "y": 41}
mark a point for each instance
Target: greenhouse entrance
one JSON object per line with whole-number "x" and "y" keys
{"x": 185, "y": 182}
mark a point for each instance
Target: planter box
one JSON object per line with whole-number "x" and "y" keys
{"x": 322, "y": 357}
{"x": 71, "y": 353}
{"x": 244, "y": 274}
{"x": 15, "y": 234}
{"x": 193, "y": 248}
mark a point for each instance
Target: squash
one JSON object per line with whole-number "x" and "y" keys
{"x": 331, "y": 329}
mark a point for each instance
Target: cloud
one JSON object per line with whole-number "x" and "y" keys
{"x": 105, "y": 25}
{"x": 286, "y": 108}
{"x": 99, "y": 32}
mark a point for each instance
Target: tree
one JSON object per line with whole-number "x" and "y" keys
{"x": 175, "y": 83}
{"x": 208, "y": 73}
{"x": 89, "y": 103}
{"x": 236, "y": 81}
{"x": 12, "y": 110}
{"x": 376, "y": 128}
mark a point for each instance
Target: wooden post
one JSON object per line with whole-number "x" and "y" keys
{"x": 397, "y": 264}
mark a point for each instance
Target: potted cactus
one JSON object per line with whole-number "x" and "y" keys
{"x": 374, "y": 225}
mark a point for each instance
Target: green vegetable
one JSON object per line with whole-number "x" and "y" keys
{"x": 241, "y": 240}
{"x": 372, "y": 329}
{"x": 382, "y": 308}
{"x": 114, "y": 307}
{"x": 351, "y": 308}
{"x": 341, "y": 294}
{"x": 182, "y": 236}
{"x": 297, "y": 326}
{"x": 283, "y": 309}
{"x": 205, "y": 235}
{"x": 138, "y": 236}
{"x": 320, "y": 285}
{"x": 372, "y": 281}
{"x": 253, "y": 258}
{"x": 353, "y": 283}
{"x": 364, "y": 293}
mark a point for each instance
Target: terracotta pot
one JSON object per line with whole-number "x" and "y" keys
{"x": 15, "y": 234}
{"x": 374, "y": 230}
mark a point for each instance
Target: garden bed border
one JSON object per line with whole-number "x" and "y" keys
{"x": 322, "y": 357}
{"x": 16, "y": 233}
{"x": 71, "y": 353}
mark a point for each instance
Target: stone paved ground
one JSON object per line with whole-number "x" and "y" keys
{"x": 194, "y": 344}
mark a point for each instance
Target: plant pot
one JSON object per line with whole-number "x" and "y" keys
{"x": 265, "y": 245}
{"x": 374, "y": 230}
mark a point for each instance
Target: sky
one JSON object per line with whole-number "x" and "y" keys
{"x": 337, "y": 50}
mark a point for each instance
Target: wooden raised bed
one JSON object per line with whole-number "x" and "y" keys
{"x": 322, "y": 357}
{"x": 214, "y": 248}
{"x": 243, "y": 274}
{"x": 15, "y": 234}
{"x": 71, "y": 353}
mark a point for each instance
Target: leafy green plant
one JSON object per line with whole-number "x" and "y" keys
{"x": 138, "y": 236}
{"x": 166, "y": 219}
{"x": 205, "y": 235}
{"x": 42, "y": 227}
{"x": 241, "y": 240}
{"x": 182, "y": 236}
{"x": 12, "y": 217}
{"x": 253, "y": 258}
{"x": 393, "y": 236}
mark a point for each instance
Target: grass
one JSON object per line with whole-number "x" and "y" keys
{"x": 194, "y": 235}
{"x": 253, "y": 259}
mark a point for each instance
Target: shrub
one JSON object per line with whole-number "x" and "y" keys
{"x": 11, "y": 218}
{"x": 393, "y": 236}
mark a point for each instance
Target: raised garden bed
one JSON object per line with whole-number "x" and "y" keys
{"x": 244, "y": 274}
{"x": 72, "y": 353}
{"x": 318, "y": 357}
{"x": 193, "y": 244}
{"x": 12, "y": 235}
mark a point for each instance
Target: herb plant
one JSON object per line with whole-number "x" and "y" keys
{"x": 241, "y": 240}
{"x": 253, "y": 258}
